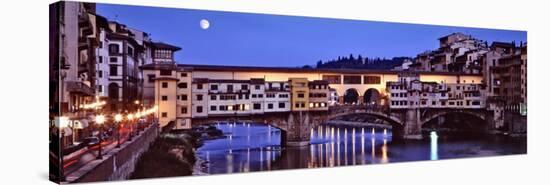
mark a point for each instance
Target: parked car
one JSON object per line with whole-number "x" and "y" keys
{"x": 91, "y": 141}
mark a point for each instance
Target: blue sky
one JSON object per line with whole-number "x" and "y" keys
{"x": 274, "y": 40}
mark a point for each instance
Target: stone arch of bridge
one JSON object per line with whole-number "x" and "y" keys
{"x": 394, "y": 121}
{"x": 428, "y": 118}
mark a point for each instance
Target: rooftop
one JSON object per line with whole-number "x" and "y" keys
{"x": 162, "y": 45}
{"x": 200, "y": 67}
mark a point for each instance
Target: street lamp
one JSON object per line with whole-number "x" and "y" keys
{"x": 130, "y": 118}
{"x": 63, "y": 122}
{"x": 118, "y": 118}
{"x": 100, "y": 119}
{"x": 136, "y": 104}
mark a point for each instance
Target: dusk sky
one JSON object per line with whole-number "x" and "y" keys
{"x": 274, "y": 40}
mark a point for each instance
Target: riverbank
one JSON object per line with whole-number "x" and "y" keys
{"x": 173, "y": 154}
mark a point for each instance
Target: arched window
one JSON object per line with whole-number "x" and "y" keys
{"x": 113, "y": 91}
{"x": 351, "y": 96}
{"x": 371, "y": 97}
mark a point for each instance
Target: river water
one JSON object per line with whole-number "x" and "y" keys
{"x": 256, "y": 147}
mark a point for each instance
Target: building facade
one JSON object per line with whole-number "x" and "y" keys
{"x": 457, "y": 52}
{"x": 409, "y": 92}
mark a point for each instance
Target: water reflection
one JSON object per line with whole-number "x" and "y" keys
{"x": 256, "y": 147}
{"x": 433, "y": 146}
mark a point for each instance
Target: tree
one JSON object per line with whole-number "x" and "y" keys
{"x": 343, "y": 62}
{"x": 319, "y": 64}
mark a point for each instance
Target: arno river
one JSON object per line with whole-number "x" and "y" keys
{"x": 256, "y": 147}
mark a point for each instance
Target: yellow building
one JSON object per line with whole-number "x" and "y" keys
{"x": 299, "y": 91}
{"x": 172, "y": 93}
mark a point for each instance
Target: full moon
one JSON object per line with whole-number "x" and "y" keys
{"x": 205, "y": 24}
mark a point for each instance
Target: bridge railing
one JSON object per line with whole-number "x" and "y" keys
{"x": 356, "y": 108}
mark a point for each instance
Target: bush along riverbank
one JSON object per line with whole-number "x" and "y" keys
{"x": 173, "y": 153}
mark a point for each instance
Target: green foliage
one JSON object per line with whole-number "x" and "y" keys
{"x": 352, "y": 62}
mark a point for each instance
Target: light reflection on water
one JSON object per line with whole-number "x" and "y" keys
{"x": 256, "y": 147}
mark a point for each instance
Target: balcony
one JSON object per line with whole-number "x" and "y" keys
{"x": 80, "y": 88}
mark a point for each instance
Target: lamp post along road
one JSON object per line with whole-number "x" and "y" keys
{"x": 63, "y": 122}
{"x": 118, "y": 118}
{"x": 100, "y": 119}
{"x": 130, "y": 118}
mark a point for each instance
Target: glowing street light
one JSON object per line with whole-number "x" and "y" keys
{"x": 118, "y": 118}
{"x": 100, "y": 119}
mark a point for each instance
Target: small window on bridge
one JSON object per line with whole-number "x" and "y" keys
{"x": 182, "y": 85}
{"x": 332, "y": 79}
{"x": 371, "y": 80}
{"x": 213, "y": 87}
{"x": 352, "y": 79}
{"x": 257, "y": 106}
{"x": 184, "y": 110}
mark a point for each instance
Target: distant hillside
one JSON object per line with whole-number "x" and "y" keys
{"x": 352, "y": 62}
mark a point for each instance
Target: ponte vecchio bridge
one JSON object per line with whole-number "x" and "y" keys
{"x": 209, "y": 89}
